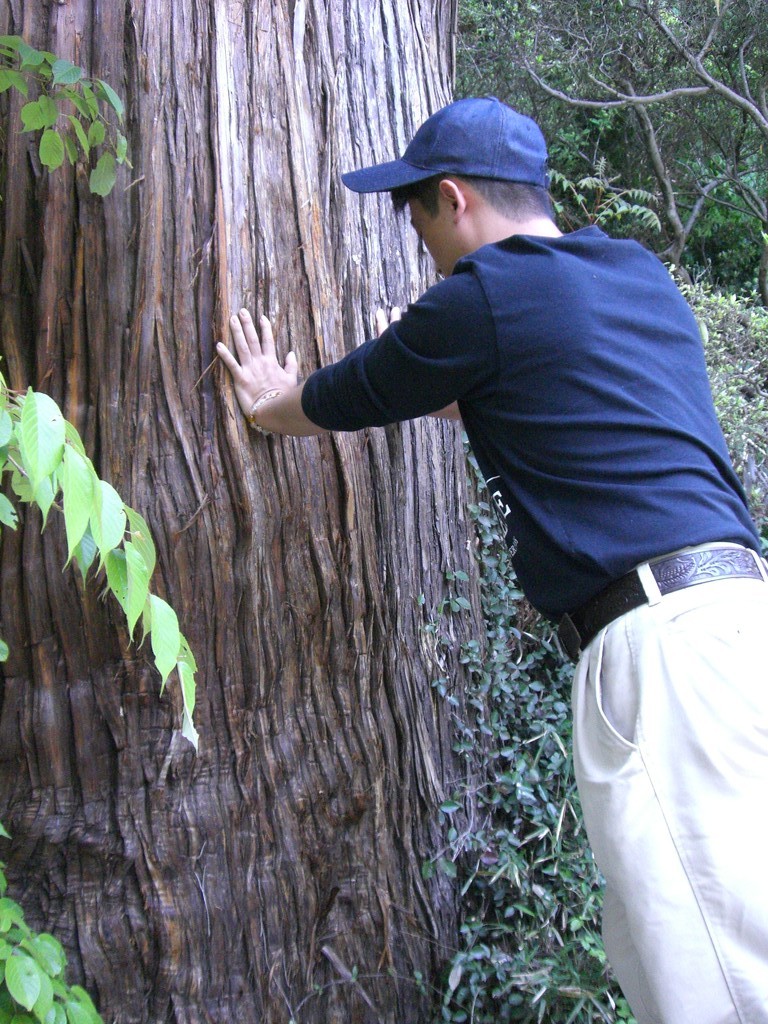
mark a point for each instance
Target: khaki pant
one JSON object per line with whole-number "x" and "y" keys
{"x": 671, "y": 754}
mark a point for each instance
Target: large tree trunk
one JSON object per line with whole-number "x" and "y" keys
{"x": 277, "y": 872}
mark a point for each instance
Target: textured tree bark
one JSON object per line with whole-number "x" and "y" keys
{"x": 275, "y": 874}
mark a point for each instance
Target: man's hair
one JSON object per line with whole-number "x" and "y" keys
{"x": 512, "y": 198}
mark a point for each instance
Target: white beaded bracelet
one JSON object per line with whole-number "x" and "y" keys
{"x": 262, "y": 400}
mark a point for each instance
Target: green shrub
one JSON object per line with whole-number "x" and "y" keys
{"x": 531, "y": 948}
{"x": 735, "y": 335}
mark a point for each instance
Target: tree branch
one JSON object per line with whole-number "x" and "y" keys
{"x": 622, "y": 99}
{"x": 715, "y": 84}
{"x": 671, "y": 211}
{"x": 714, "y": 29}
{"x": 743, "y": 67}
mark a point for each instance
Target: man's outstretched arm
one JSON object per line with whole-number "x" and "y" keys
{"x": 269, "y": 394}
{"x": 450, "y": 412}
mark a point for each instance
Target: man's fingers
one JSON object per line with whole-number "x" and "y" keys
{"x": 228, "y": 359}
{"x": 267, "y": 338}
{"x": 292, "y": 364}
{"x": 238, "y": 326}
{"x": 383, "y": 320}
{"x": 251, "y": 346}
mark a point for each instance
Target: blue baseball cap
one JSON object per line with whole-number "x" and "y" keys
{"x": 478, "y": 137}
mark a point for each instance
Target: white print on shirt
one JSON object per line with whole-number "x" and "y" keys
{"x": 503, "y": 511}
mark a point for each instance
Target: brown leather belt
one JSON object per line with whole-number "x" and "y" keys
{"x": 675, "y": 572}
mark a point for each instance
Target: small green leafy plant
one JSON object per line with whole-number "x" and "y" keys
{"x": 530, "y": 947}
{"x": 67, "y": 110}
{"x": 734, "y": 331}
{"x": 44, "y": 457}
{"x": 597, "y": 199}
{"x": 33, "y": 987}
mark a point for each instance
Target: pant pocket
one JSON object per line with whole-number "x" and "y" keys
{"x": 615, "y": 686}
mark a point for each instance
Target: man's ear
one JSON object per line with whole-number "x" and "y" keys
{"x": 452, "y": 192}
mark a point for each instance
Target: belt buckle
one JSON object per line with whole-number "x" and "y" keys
{"x": 569, "y": 637}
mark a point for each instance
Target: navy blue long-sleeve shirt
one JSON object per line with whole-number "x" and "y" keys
{"x": 580, "y": 376}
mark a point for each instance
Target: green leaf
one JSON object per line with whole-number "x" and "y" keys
{"x": 22, "y": 976}
{"x": 48, "y": 952}
{"x": 48, "y": 111}
{"x": 82, "y": 138}
{"x": 77, "y": 1014}
{"x": 187, "y": 692}
{"x": 142, "y": 538}
{"x": 44, "y": 495}
{"x": 4, "y": 652}
{"x": 41, "y": 437}
{"x": 9, "y": 77}
{"x": 450, "y": 806}
{"x": 91, "y": 103}
{"x": 30, "y": 58}
{"x": 108, "y": 93}
{"x": 6, "y": 428}
{"x": 448, "y": 867}
{"x": 21, "y": 486}
{"x": 186, "y": 654}
{"x": 138, "y": 584}
{"x": 84, "y": 1004}
{"x": 454, "y": 978}
{"x": 32, "y": 116}
{"x": 51, "y": 149}
{"x": 85, "y": 553}
{"x": 65, "y": 72}
{"x": 78, "y": 102}
{"x": 10, "y": 914}
{"x": 166, "y": 637}
{"x": 121, "y": 148}
{"x": 107, "y": 518}
{"x": 71, "y": 147}
{"x": 187, "y": 679}
{"x": 186, "y": 668}
{"x": 117, "y": 575}
{"x": 59, "y": 1015}
{"x": 74, "y": 439}
{"x": 103, "y": 176}
{"x": 11, "y": 43}
{"x": 3, "y": 833}
{"x": 96, "y": 133}
{"x": 44, "y": 1002}
{"x": 8, "y": 516}
{"x": 78, "y": 482}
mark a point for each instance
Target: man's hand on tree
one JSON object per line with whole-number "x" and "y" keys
{"x": 256, "y": 372}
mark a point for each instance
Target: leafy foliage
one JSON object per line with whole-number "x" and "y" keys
{"x": 668, "y": 94}
{"x": 33, "y": 986}
{"x": 597, "y": 199}
{"x": 67, "y": 111}
{"x": 531, "y": 948}
{"x": 44, "y": 457}
{"x": 735, "y": 335}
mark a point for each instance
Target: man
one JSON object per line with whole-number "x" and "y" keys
{"x": 578, "y": 372}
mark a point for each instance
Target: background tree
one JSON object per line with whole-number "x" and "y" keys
{"x": 276, "y": 874}
{"x": 673, "y": 95}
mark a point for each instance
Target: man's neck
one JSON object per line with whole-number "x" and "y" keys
{"x": 496, "y": 227}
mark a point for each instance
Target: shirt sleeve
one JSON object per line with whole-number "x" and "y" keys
{"x": 442, "y": 350}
